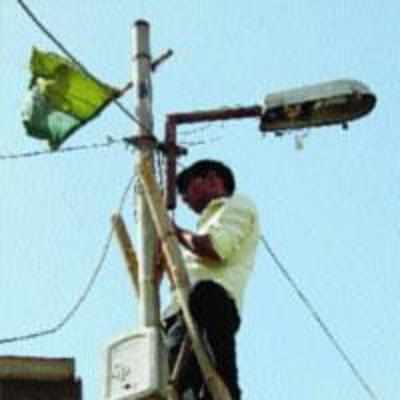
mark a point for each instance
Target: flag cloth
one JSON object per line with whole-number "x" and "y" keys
{"x": 61, "y": 98}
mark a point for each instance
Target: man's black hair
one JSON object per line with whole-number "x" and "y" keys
{"x": 201, "y": 168}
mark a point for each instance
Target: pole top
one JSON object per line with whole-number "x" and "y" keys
{"x": 142, "y": 22}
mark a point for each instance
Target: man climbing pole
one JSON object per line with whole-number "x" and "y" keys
{"x": 219, "y": 258}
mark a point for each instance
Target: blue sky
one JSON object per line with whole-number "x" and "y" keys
{"x": 330, "y": 212}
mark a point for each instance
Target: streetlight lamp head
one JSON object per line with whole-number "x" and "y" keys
{"x": 335, "y": 102}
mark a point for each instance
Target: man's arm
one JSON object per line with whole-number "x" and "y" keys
{"x": 200, "y": 245}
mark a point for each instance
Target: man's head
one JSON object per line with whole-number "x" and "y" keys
{"x": 204, "y": 181}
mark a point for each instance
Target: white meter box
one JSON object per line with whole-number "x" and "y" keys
{"x": 136, "y": 366}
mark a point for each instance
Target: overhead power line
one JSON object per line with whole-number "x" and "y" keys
{"x": 93, "y": 146}
{"x": 70, "y": 314}
{"x": 319, "y": 320}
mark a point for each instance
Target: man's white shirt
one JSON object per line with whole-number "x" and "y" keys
{"x": 233, "y": 227}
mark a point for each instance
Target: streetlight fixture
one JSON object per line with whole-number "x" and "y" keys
{"x": 335, "y": 102}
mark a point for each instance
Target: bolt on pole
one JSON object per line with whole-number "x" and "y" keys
{"x": 149, "y": 314}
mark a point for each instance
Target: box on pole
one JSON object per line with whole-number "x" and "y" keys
{"x": 130, "y": 364}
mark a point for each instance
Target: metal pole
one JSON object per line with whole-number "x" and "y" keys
{"x": 149, "y": 313}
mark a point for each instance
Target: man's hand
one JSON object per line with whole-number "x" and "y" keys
{"x": 200, "y": 245}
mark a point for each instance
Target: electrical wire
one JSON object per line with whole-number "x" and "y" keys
{"x": 93, "y": 146}
{"x": 97, "y": 146}
{"x": 197, "y": 130}
{"x": 193, "y": 143}
{"x": 68, "y": 54}
{"x": 319, "y": 320}
{"x": 70, "y": 314}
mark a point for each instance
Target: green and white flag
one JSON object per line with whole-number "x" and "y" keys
{"x": 61, "y": 98}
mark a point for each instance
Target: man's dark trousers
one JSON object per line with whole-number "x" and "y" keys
{"x": 217, "y": 318}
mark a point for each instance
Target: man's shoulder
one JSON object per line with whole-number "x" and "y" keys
{"x": 228, "y": 205}
{"x": 241, "y": 201}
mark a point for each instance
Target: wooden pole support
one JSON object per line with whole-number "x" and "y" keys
{"x": 181, "y": 362}
{"x": 175, "y": 260}
{"x": 172, "y": 394}
{"x": 127, "y": 249}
